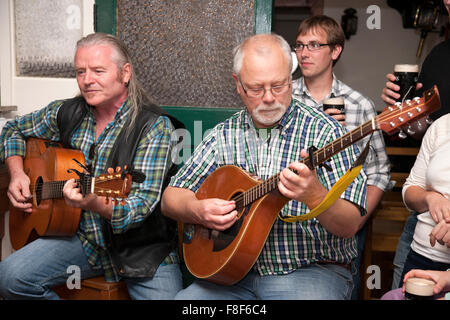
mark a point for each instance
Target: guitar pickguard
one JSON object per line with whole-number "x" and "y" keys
{"x": 222, "y": 239}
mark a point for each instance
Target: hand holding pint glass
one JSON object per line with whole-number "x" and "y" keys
{"x": 402, "y": 86}
{"x": 400, "y": 82}
{"x": 335, "y": 107}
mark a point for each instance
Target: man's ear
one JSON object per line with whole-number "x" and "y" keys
{"x": 126, "y": 73}
{"x": 336, "y": 52}
{"x": 236, "y": 80}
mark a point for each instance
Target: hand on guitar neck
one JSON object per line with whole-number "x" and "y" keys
{"x": 89, "y": 202}
{"x": 301, "y": 184}
{"x": 47, "y": 193}
{"x": 20, "y": 196}
{"x": 99, "y": 197}
{"x": 19, "y": 186}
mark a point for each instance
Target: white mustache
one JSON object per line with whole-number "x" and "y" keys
{"x": 274, "y": 106}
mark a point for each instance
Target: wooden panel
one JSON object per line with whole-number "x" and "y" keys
{"x": 385, "y": 234}
{"x": 393, "y": 213}
{"x": 384, "y": 242}
{"x": 400, "y": 151}
{"x": 105, "y": 16}
{"x": 399, "y": 178}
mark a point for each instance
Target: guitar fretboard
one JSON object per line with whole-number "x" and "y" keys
{"x": 54, "y": 189}
{"x": 320, "y": 156}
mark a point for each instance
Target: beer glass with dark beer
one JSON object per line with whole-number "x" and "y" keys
{"x": 419, "y": 289}
{"x": 406, "y": 76}
{"x": 334, "y": 103}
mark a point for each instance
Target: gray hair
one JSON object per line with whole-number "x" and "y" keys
{"x": 238, "y": 51}
{"x": 120, "y": 55}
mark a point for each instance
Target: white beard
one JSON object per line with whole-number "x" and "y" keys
{"x": 277, "y": 112}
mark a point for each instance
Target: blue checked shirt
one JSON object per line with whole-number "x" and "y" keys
{"x": 358, "y": 110}
{"x": 264, "y": 153}
{"x": 153, "y": 158}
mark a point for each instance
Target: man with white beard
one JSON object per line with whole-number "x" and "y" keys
{"x": 301, "y": 260}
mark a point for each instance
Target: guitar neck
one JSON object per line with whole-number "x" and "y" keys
{"x": 320, "y": 156}
{"x": 54, "y": 189}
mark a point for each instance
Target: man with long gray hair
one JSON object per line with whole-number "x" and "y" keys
{"x": 113, "y": 123}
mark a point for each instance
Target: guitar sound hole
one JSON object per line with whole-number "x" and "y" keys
{"x": 38, "y": 190}
{"x": 222, "y": 239}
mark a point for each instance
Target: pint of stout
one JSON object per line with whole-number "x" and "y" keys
{"x": 334, "y": 103}
{"x": 419, "y": 289}
{"x": 406, "y": 76}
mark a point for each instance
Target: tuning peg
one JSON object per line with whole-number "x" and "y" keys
{"x": 110, "y": 170}
{"x": 410, "y": 131}
{"x": 419, "y": 125}
{"x": 428, "y": 120}
{"x": 118, "y": 169}
{"x": 402, "y": 135}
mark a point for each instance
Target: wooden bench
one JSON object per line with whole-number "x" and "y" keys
{"x": 95, "y": 289}
{"x": 387, "y": 222}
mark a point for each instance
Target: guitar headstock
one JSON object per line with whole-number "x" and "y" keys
{"x": 398, "y": 116}
{"x": 114, "y": 185}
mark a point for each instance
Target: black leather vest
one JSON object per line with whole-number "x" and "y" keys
{"x": 139, "y": 251}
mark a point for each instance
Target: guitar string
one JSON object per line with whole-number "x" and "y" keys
{"x": 270, "y": 184}
{"x": 54, "y": 188}
{"x": 57, "y": 184}
{"x": 261, "y": 189}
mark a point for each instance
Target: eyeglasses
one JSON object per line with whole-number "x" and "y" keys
{"x": 312, "y": 46}
{"x": 260, "y": 92}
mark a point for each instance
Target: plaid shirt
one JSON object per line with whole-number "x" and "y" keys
{"x": 235, "y": 141}
{"x": 152, "y": 158}
{"x": 358, "y": 110}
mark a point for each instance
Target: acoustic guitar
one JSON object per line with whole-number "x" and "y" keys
{"x": 49, "y": 166}
{"x": 225, "y": 257}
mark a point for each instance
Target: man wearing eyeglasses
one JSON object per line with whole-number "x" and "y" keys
{"x": 319, "y": 44}
{"x": 307, "y": 260}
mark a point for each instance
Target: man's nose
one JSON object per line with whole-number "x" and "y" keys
{"x": 268, "y": 96}
{"x": 88, "y": 78}
{"x": 304, "y": 53}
